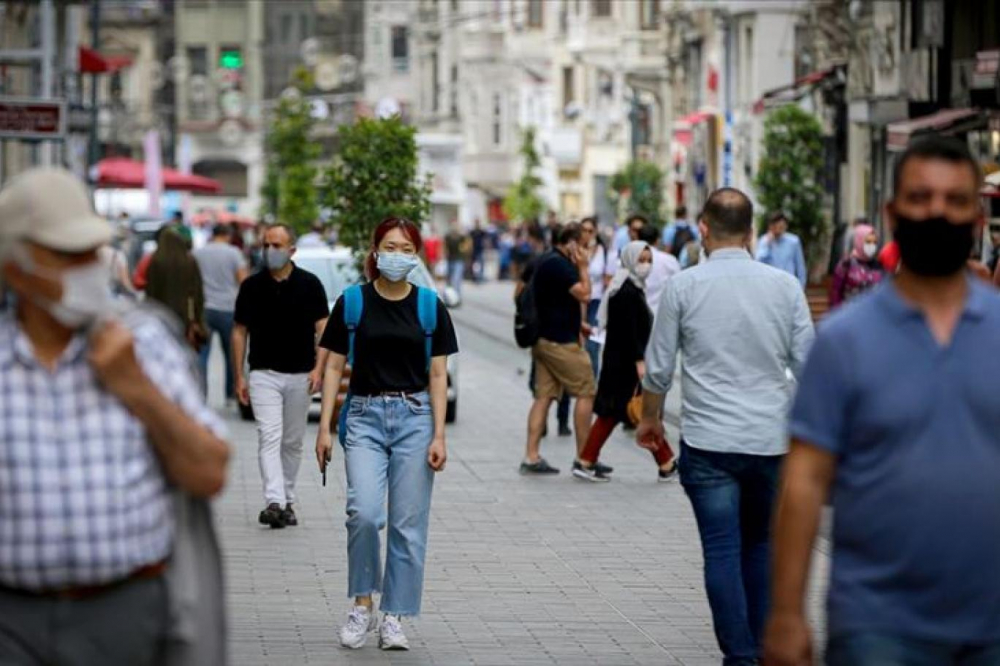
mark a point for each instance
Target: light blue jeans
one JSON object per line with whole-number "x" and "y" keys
{"x": 386, "y": 448}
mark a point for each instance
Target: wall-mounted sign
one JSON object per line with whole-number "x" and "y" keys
{"x": 31, "y": 118}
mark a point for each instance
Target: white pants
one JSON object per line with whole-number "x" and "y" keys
{"x": 281, "y": 406}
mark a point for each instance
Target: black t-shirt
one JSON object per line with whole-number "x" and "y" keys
{"x": 558, "y": 311}
{"x": 281, "y": 319}
{"x": 389, "y": 351}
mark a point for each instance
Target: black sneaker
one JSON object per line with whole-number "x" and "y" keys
{"x": 591, "y": 474}
{"x": 666, "y": 475}
{"x": 288, "y": 516}
{"x": 273, "y": 516}
{"x": 565, "y": 431}
{"x": 540, "y": 467}
{"x": 603, "y": 469}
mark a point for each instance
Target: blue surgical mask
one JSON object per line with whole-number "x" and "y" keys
{"x": 277, "y": 259}
{"x": 395, "y": 266}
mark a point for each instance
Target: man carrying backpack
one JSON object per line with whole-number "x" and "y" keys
{"x": 678, "y": 235}
{"x": 560, "y": 289}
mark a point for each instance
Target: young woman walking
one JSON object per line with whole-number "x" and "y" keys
{"x": 398, "y": 338}
{"x": 627, "y": 322}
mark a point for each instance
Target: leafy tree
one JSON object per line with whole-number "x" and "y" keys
{"x": 375, "y": 176}
{"x": 289, "y": 190}
{"x": 640, "y": 186}
{"x": 522, "y": 201}
{"x": 790, "y": 174}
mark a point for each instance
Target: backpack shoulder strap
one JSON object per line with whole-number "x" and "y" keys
{"x": 354, "y": 305}
{"x": 427, "y": 311}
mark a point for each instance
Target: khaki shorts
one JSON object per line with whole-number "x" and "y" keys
{"x": 562, "y": 368}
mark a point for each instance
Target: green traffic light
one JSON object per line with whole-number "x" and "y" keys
{"x": 231, "y": 60}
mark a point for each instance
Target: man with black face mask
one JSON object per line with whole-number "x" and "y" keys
{"x": 897, "y": 418}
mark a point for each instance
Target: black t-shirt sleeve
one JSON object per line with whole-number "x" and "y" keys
{"x": 444, "y": 342}
{"x": 335, "y": 337}
{"x": 244, "y": 302}
{"x": 565, "y": 274}
{"x": 529, "y": 271}
{"x": 316, "y": 301}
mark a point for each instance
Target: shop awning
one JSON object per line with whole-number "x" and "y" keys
{"x": 793, "y": 91}
{"x": 948, "y": 120}
{"x": 684, "y": 126}
{"x": 94, "y": 62}
{"x": 208, "y": 218}
{"x": 131, "y": 174}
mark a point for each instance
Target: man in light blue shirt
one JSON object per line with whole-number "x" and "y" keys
{"x": 781, "y": 248}
{"x": 740, "y": 326}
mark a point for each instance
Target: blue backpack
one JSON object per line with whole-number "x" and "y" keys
{"x": 354, "y": 305}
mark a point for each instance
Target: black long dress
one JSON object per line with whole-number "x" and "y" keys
{"x": 627, "y": 332}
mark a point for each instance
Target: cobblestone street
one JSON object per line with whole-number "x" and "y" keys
{"x": 520, "y": 570}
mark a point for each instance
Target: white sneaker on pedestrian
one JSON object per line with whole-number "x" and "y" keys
{"x": 390, "y": 634}
{"x": 360, "y": 622}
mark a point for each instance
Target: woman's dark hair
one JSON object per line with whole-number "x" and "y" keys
{"x": 409, "y": 229}
{"x": 173, "y": 277}
{"x": 597, "y": 229}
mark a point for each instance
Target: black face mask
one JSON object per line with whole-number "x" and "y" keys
{"x": 934, "y": 247}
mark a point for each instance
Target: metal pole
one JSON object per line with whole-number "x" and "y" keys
{"x": 95, "y": 43}
{"x": 48, "y": 38}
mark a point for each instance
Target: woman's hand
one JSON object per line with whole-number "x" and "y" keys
{"x": 324, "y": 448}
{"x": 437, "y": 455}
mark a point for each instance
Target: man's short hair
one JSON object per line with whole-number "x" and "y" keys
{"x": 649, "y": 234}
{"x": 681, "y": 212}
{"x": 568, "y": 233}
{"x": 776, "y": 216}
{"x": 636, "y": 216}
{"x": 728, "y": 213}
{"x": 292, "y": 237}
{"x": 935, "y": 147}
{"x": 222, "y": 230}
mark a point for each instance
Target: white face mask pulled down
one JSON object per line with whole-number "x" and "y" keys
{"x": 86, "y": 291}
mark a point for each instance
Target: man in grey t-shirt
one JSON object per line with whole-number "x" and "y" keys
{"x": 223, "y": 268}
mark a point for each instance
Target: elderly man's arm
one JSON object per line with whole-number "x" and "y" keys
{"x": 193, "y": 456}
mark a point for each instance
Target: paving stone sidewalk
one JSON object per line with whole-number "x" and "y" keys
{"x": 520, "y": 570}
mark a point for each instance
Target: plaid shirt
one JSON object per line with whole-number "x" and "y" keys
{"x": 83, "y": 499}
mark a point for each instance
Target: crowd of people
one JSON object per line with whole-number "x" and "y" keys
{"x": 887, "y": 412}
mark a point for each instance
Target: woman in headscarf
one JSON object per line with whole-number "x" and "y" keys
{"x": 860, "y": 270}
{"x": 627, "y": 322}
{"x": 174, "y": 281}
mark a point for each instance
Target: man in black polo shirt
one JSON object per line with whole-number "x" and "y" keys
{"x": 561, "y": 282}
{"x": 282, "y": 309}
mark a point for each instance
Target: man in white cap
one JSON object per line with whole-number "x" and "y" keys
{"x": 98, "y": 420}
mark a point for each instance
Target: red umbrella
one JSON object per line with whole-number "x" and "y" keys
{"x": 211, "y": 217}
{"x": 127, "y": 173}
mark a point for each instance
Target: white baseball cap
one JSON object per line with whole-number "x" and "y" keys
{"x": 50, "y": 206}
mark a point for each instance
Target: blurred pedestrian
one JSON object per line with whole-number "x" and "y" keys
{"x": 679, "y": 234}
{"x": 315, "y": 237}
{"x": 281, "y": 311}
{"x": 561, "y": 283}
{"x": 781, "y": 248}
{"x": 174, "y": 280}
{"x": 256, "y": 252}
{"x": 860, "y": 270}
{"x": 223, "y": 268}
{"x": 897, "y": 421}
{"x": 626, "y": 320}
{"x": 665, "y": 266}
{"x": 394, "y": 430}
{"x": 478, "y": 237}
{"x": 101, "y": 423}
{"x": 601, "y": 270}
{"x": 741, "y": 327}
{"x": 113, "y": 259}
{"x": 455, "y": 245}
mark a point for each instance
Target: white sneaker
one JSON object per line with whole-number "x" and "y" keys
{"x": 390, "y": 634}
{"x": 360, "y": 622}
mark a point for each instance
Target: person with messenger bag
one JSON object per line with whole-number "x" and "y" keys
{"x": 397, "y": 338}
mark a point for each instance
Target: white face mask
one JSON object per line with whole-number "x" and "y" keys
{"x": 643, "y": 270}
{"x": 870, "y": 250}
{"x": 86, "y": 292}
